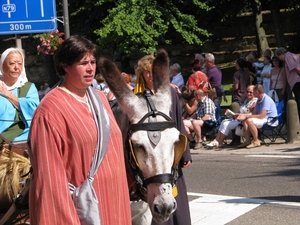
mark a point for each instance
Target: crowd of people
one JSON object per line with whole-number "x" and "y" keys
{"x": 256, "y": 84}
{"x": 68, "y": 118}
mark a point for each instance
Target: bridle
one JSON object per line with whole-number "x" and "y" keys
{"x": 153, "y": 128}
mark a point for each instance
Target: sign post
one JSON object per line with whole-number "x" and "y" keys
{"x": 27, "y": 16}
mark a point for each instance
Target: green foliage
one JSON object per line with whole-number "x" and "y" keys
{"x": 142, "y": 25}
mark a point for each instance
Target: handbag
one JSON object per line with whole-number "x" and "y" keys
{"x": 272, "y": 93}
{"x": 212, "y": 93}
{"x": 239, "y": 130}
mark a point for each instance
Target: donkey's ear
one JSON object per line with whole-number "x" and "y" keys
{"x": 117, "y": 85}
{"x": 160, "y": 70}
{"x": 113, "y": 77}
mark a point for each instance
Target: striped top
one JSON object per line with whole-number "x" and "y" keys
{"x": 62, "y": 143}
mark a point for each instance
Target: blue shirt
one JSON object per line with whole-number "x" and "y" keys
{"x": 178, "y": 80}
{"x": 266, "y": 103}
{"x": 27, "y": 106}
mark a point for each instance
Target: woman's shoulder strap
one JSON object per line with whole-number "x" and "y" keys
{"x": 22, "y": 91}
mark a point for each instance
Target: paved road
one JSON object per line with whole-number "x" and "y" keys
{"x": 256, "y": 186}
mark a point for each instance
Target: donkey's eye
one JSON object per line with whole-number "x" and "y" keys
{"x": 140, "y": 147}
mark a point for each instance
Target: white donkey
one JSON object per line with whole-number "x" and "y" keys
{"x": 156, "y": 145}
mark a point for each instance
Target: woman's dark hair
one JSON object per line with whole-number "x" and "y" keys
{"x": 71, "y": 51}
{"x": 186, "y": 93}
{"x": 280, "y": 62}
{"x": 241, "y": 62}
{"x": 249, "y": 65}
{"x": 196, "y": 65}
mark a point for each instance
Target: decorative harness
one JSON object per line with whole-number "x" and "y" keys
{"x": 153, "y": 129}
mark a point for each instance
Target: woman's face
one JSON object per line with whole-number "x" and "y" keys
{"x": 81, "y": 74}
{"x": 147, "y": 74}
{"x": 275, "y": 63}
{"x": 12, "y": 68}
{"x": 250, "y": 93}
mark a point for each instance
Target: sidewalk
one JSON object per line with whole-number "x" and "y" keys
{"x": 276, "y": 148}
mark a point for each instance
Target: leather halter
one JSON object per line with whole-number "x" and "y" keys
{"x": 153, "y": 129}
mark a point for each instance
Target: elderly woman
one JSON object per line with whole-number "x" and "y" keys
{"x": 144, "y": 80}
{"x": 18, "y": 97}
{"x": 230, "y": 124}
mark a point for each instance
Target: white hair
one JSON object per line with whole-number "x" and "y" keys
{"x": 199, "y": 57}
{"x": 210, "y": 57}
{"x": 176, "y": 67}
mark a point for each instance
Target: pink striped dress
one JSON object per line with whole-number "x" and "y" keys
{"x": 63, "y": 138}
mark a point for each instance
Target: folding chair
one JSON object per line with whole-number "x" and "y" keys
{"x": 271, "y": 130}
{"x": 210, "y": 128}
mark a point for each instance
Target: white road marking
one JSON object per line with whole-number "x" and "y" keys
{"x": 220, "y": 209}
{"x": 275, "y": 156}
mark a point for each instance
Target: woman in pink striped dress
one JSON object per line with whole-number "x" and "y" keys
{"x": 62, "y": 143}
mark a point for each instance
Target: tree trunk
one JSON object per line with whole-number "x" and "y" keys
{"x": 276, "y": 17}
{"x": 262, "y": 41}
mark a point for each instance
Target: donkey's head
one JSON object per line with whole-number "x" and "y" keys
{"x": 153, "y": 135}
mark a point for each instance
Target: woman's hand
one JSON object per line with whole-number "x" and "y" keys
{"x": 176, "y": 87}
{"x": 241, "y": 117}
{"x": 7, "y": 94}
{"x": 235, "y": 116}
{"x": 3, "y": 90}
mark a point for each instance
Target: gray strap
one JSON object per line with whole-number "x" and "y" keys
{"x": 103, "y": 126}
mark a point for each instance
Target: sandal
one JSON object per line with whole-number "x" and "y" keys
{"x": 244, "y": 145}
{"x": 212, "y": 144}
{"x": 253, "y": 145}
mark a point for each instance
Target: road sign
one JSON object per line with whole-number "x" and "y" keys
{"x": 27, "y": 16}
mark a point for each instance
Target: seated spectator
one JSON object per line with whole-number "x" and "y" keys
{"x": 206, "y": 110}
{"x": 265, "y": 108}
{"x": 189, "y": 111}
{"x": 18, "y": 97}
{"x": 177, "y": 78}
{"x": 229, "y": 124}
{"x": 197, "y": 80}
{"x": 190, "y": 103}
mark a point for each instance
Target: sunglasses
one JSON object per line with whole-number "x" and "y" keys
{"x": 249, "y": 92}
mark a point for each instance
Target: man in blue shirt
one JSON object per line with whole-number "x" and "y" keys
{"x": 265, "y": 108}
{"x": 177, "y": 78}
